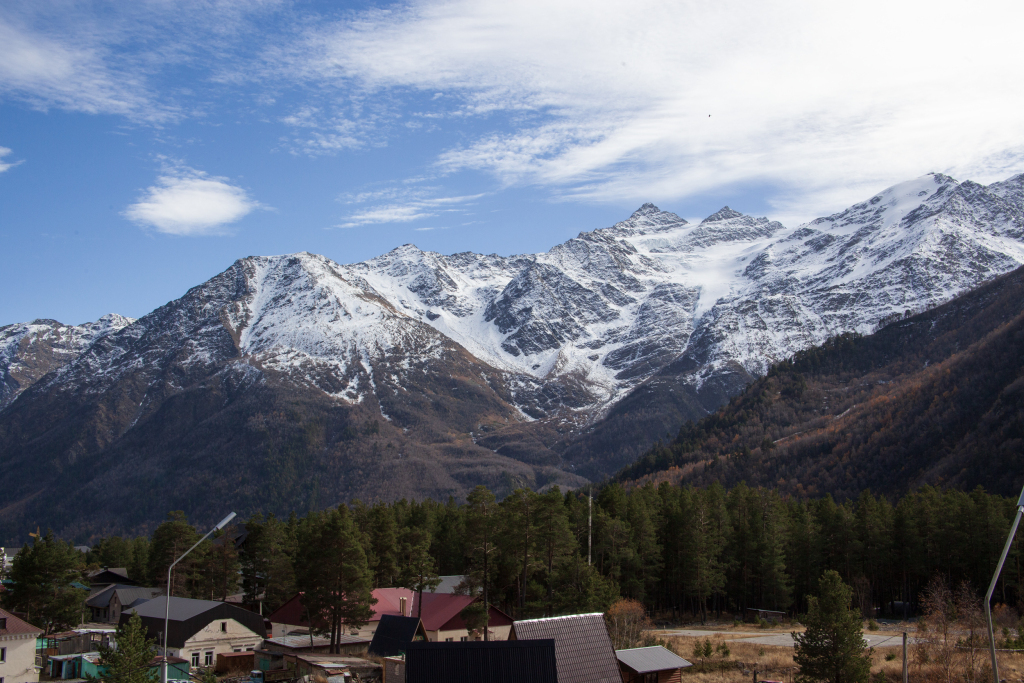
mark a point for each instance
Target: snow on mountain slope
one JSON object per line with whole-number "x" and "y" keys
{"x": 602, "y": 312}
{"x": 30, "y": 350}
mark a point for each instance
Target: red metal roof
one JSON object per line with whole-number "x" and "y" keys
{"x": 16, "y": 626}
{"x": 440, "y": 610}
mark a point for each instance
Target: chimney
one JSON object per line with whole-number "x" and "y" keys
{"x": 402, "y": 606}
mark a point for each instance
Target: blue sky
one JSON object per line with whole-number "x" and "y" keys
{"x": 146, "y": 145}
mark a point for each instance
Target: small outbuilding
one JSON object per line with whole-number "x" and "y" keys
{"x": 650, "y": 665}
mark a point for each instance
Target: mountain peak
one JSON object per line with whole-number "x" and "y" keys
{"x": 725, "y": 213}
{"x": 645, "y": 210}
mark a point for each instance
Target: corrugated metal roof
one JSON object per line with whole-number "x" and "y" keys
{"x": 188, "y": 617}
{"x": 644, "y": 660}
{"x": 583, "y": 649}
{"x": 448, "y": 583}
{"x": 502, "y": 661}
{"x": 15, "y": 626}
{"x": 295, "y": 642}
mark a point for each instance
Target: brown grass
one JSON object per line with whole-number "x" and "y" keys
{"x": 776, "y": 663}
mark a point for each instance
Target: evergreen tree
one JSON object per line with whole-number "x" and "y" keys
{"x": 266, "y": 563}
{"x": 129, "y": 661}
{"x": 41, "y": 578}
{"x": 331, "y": 571}
{"x": 553, "y": 540}
{"x": 832, "y": 648}
{"x": 219, "y": 568}
{"x": 418, "y": 570}
{"x": 383, "y": 545}
{"x": 480, "y": 531}
{"x": 172, "y": 538}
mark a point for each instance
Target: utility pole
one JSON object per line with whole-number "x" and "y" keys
{"x": 995, "y": 579}
{"x": 590, "y": 522}
{"x": 904, "y": 657}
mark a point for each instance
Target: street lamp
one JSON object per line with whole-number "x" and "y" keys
{"x": 995, "y": 579}
{"x": 167, "y": 601}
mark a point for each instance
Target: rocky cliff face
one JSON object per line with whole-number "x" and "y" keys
{"x": 30, "y": 350}
{"x": 543, "y": 366}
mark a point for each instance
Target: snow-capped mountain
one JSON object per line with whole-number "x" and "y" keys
{"x": 30, "y": 350}
{"x": 543, "y": 365}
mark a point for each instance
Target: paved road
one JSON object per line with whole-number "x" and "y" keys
{"x": 781, "y": 639}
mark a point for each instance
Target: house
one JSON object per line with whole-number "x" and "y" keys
{"x": 107, "y": 603}
{"x": 394, "y": 634}
{"x": 583, "y": 650}
{"x": 17, "y": 649}
{"x": 108, "y": 576}
{"x": 449, "y": 583}
{"x": 440, "y": 615}
{"x": 500, "y": 661}
{"x": 650, "y": 665}
{"x": 199, "y": 630}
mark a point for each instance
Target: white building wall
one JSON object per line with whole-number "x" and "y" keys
{"x": 19, "y": 665}
{"x": 219, "y": 637}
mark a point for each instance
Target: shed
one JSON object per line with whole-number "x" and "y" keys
{"x": 583, "y": 650}
{"x": 769, "y": 615}
{"x": 650, "y": 665}
{"x": 496, "y": 661}
{"x": 235, "y": 661}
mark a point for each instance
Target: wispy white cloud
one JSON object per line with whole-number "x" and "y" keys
{"x": 402, "y": 205}
{"x": 655, "y": 99}
{"x": 7, "y": 165}
{"x": 188, "y": 202}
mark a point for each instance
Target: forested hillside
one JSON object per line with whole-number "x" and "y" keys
{"x": 936, "y": 398}
{"x": 677, "y": 549}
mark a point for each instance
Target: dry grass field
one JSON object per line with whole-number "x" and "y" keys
{"x": 775, "y": 663}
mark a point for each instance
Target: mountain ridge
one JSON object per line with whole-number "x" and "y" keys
{"x": 550, "y": 368}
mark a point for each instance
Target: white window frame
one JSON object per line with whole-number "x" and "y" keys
{"x": 208, "y": 658}
{"x": 3, "y": 656}
{"x": 195, "y": 659}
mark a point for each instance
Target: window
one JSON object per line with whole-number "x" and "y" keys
{"x": 208, "y": 661}
{"x": 448, "y": 640}
{"x": 195, "y": 659}
{"x": 237, "y": 649}
{"x": 248, "y": 649}
{"x": 3, "y": 654}
{"x": 223, "y": 627}
{"x": 3, "y": 623}
{"x": 464, "y": 638}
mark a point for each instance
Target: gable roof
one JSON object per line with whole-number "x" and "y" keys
{"x": 583, "y": 650}
{"x": 448, "y": 583}
{"x": 15, "y": 626}
{"x": 438, "y": 609}
{"x": 500, "y": 661}
{"x": 125, "y": 594}
{"x": 111, "y": 575}
{"x": 394, "y": 634}
{"x": 644, "y": 660}
{"x": 188, "y": 617}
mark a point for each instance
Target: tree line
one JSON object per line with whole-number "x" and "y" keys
{"x": 678, "y": 550}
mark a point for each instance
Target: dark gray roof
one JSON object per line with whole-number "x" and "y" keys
{"x": 393, "y": 635}
{"x": 583, "y": 649}
{"x": 644, "y": 660}
{"x": 497, "y": 661}
{"x": 126, "y": 594}
{"x": 188, "y": 617}
{"x": 448, "y": 583}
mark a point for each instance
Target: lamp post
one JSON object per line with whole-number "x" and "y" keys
{"x": 167, "y": 601}
{"x": 995, "y": 579}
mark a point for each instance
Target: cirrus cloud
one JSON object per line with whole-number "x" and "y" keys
{"x": 6, "y": 165}
{"x": 188, "y": 202}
